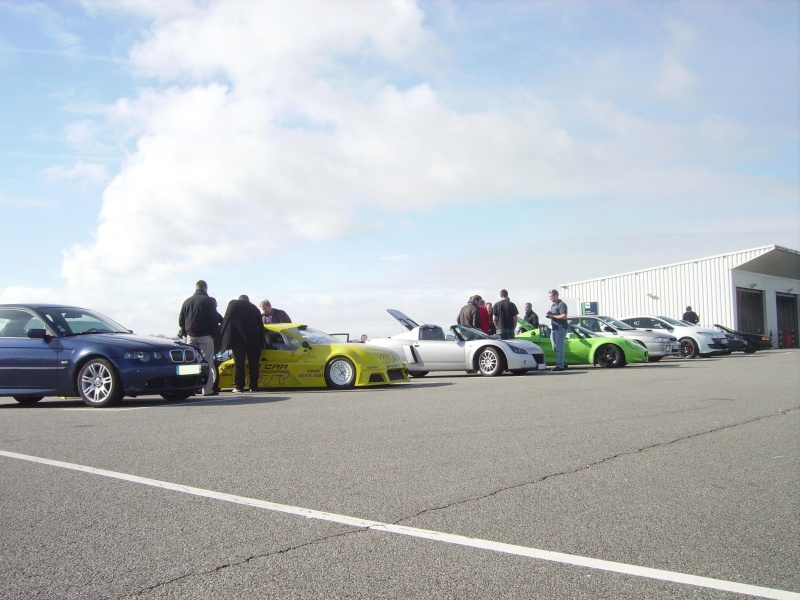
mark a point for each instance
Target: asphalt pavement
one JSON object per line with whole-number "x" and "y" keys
{"x": 676, "y": 479}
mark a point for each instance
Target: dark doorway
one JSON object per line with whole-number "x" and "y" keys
{"x": 787, "y": 320}
{"x": 750, "y": 310}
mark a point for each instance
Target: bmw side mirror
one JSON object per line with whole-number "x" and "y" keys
{"x": 38, "y": 334}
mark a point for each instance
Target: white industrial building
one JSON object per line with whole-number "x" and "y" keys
{"x": 752, "y": 290}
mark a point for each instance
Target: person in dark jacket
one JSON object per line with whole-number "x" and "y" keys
{"x": 531, "y": 317}
{"x": 243, "y": 334}
{"x": 504, "y": 313}
{"x": 273, "y": 315}
{"x": 469, "y": 315}
{"x": 199, "y": 325}
{"x": 690, "y": 316}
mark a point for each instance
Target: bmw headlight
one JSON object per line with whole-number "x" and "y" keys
{"x": 518, "y": 350}
{"x": 138, "y": 355}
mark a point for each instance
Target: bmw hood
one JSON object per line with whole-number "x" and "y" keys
{"x": 128, "y": 340}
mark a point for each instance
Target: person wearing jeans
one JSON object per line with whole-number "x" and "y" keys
{"x": 558, "y": 320}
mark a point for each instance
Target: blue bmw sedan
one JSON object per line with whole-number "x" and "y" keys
{"x": 53, "y": 350}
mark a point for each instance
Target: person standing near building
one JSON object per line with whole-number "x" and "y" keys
{"x": 469, "y": 315}
{"x": 504, "y": 314}
{"x": 690, "y": 316}
{"x": 558, "y": 322}
{"x": 243, "y": 335}
{"x": 273, "y": 315}
{"x": 199, "y": 324}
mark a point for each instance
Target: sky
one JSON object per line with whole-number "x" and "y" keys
{"x": 342, "y": 157}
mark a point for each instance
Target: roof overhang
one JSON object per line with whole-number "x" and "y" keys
{"x": 778, "y": 262}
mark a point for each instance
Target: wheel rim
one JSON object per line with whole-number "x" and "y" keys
{"x": 687, "y": 349}
{"x": 341, "y": 373}
{"x": 609, "y": 356}
{"x": 97, "y": 383}
{"x": 487, "y": 361}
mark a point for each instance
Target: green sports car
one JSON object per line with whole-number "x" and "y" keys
{"x": 582, "y": 347}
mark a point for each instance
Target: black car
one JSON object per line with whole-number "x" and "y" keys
{"x": 53, "y": 350}
{"x": 752, "y": 341}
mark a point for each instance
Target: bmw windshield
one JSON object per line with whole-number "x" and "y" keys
{"x": 79, "y": 321}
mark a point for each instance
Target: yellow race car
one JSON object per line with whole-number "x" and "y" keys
{"x": 299, "y": 356}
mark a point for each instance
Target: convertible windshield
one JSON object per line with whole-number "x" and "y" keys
{"x": 674, "y": 322}
{"x": 79, "y": 321}
{"x": 468, "y": 333}
{"x": 618, "y": 324}
{"x": 313, "y": 336}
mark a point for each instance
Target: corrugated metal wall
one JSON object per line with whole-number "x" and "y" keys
{"x": 704, "y": 284}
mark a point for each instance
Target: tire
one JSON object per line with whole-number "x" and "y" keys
{"x": 98, "y": 383}
{"x": 688, "y": 348}
{"x": 177, "y": 395}
{"x": 340, "y": 374}
{"x": 750, "y": 348}
{"x": 609, "y": 356}
{"x": 28, "y": 399}
{"x": 654, "y": 358}
{"x": 490, "y": 362}
{"x": 418, "y": 373}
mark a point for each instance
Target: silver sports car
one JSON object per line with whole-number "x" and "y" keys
{"x": 427, "y": 348}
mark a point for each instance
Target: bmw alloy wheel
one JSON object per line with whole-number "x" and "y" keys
{"x": 98, "y": 383}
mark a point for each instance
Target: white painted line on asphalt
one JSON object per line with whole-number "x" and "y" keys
{"x": 459, "y": 540}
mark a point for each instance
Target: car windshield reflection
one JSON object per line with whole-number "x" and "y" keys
{"x": 72, "y": 321}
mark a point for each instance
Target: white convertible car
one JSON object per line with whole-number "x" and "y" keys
{"x": 426, "y": 348}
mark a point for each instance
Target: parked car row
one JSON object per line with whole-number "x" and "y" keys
{"x": 54, "y": 350}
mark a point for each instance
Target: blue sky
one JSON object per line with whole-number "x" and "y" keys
{"x": 343, "y": 157}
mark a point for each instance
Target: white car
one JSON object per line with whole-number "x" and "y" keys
{"x": 427, "y": 348}
{"x": 658, "y": 344}
{"x": 694, "y": 340}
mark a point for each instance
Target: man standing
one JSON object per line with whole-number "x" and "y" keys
{"x": 469, "y": 315}
{"x": 531, "y": 318}
{"x": 243, "y": 334}
{"x": 558, "y": 320}
{"x": 273, "y": 315}
{"x": 505, "y": 314}
{"x": 690, "y": 316}
{"x": 199, "y": 324}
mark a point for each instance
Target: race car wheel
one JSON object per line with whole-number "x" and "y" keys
{"x": 28, "y": 399}
{"x": 688, "y": 348}
{"x": 340, "y": 373}
{"x": 98, "y": 383}
{"x": 418, "y": 373}
{"x": 609, "y": 355}
{"x": 490, "y": 362}
{"x": 177, "y": 395}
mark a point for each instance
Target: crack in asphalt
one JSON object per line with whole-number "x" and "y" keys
{"x": 591, "y": 465}
{"x": 360, "y": 530}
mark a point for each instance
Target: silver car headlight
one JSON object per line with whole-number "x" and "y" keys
{"x": 661, "y": 339}
{"x": 518, "y": 350}
{"x": 139, "y": 355}
{"x": 706, "y": 334}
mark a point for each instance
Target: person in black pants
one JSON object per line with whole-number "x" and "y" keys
{"x": 243, "y": 334}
